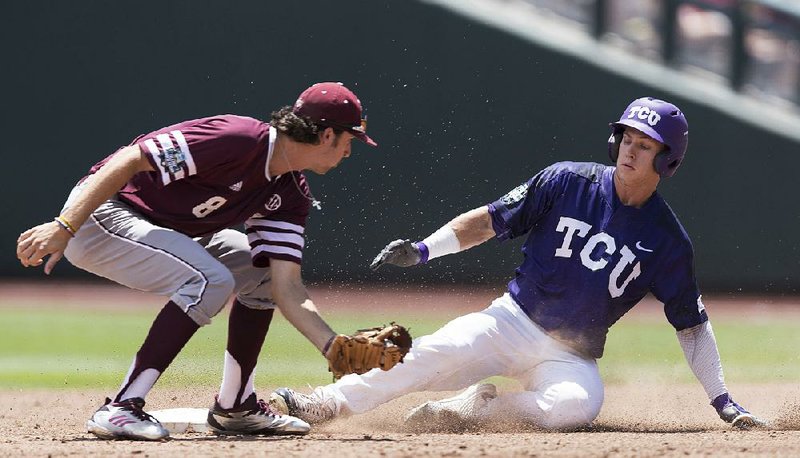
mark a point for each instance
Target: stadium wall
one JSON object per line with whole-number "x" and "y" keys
{"x": 463, "y": 112}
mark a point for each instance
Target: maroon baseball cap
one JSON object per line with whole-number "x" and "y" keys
{"x": 333, "y": 105}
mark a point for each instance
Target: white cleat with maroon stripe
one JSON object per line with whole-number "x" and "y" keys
{"x": 125, "y": 420}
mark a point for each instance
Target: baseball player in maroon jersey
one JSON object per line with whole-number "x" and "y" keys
{"x": 157, "y": 216}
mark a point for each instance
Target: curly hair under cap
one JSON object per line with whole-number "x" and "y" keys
{"x": 299, "y": 128}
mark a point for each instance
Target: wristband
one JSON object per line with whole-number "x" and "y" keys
{"x": 424, "y": 253}
{"x": 65, "y": 224}
{"x": 442, "y": 242}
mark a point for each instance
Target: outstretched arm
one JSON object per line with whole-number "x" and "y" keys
{"x": 700, "y": 348}
{"x": 291, "y": 296}
{"x": 367, "y": 349}
{"x": 473, "y": 227}
{"x": 462, "y": 232}
{"x": 52, "y": 238}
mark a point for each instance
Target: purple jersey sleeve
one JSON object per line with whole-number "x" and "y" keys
{"x": 197, "y": 147}
{"x": 676, "y": 287}
{"x": 280, "y": 233}
{"x": 517, "y": 212}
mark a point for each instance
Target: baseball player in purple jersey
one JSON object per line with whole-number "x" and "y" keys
{"x": 599, "y": 238}
{"x": 157, "y": 216}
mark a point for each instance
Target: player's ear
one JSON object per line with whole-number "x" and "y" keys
{"x": 327, "y": 135}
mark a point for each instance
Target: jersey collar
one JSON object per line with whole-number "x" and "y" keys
{"x": 607, "y": 187}
{"x": 273, "y": 135}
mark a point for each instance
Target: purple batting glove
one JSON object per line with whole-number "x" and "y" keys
{"x": 731, "y": 412}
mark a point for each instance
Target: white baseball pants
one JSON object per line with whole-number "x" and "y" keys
{"x": 561, "y": 388}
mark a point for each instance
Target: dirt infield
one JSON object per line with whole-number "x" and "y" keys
{"x": 635, "y": 421}
{"x": 656, "y": 419}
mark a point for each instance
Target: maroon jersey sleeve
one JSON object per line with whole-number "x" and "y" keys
{"x": 278, "y": 230}
{"x": 199, "y": 146}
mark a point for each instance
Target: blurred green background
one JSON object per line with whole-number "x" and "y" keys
{"x": 54, "y": 347}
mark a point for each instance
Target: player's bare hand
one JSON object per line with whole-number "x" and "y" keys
{"x": 403, "y": 253}
{"x": 48, "y": 239}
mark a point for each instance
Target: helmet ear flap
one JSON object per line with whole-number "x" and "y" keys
{"x": 666, "y": 163}
{"x": 613, "y": 145}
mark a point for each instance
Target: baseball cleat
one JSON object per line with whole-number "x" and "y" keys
{"x": 253, "y": 417}
{"x": 730, "y": 411}
{"x": 748, "y": 421}
{"x": 457, "y": 413}
{"x": 125, "y": 420}
{"x": 313, "y": 408}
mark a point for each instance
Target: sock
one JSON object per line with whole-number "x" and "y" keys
{"x": 169, "y": 332}
{"x": 247, "y": 329}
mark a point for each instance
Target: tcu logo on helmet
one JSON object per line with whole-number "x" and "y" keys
{"x": 645, "y": 113}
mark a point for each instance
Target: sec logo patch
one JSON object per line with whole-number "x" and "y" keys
{"x": 273, "y": 203}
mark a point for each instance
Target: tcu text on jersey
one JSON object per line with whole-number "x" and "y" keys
{"x": 572, "y": 227}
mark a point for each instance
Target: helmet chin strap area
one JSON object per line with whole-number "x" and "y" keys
{"x": 307, "y": 194}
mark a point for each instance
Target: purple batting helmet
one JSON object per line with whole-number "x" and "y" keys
{"x": 660, "y": 121}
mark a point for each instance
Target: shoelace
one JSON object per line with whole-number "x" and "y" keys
{"x": 314, "y": 405}
{"x": 263, "y": 408}
{"x": 135, "y": 408}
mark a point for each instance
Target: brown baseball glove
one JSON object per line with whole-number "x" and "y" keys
{"x": 367, "y": 349}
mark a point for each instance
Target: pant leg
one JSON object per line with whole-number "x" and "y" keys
{"x": 464, "y": 351}
{"x": 252, "y": 284}
{"x": 250, "y": 317}
{"x": 562, "y": 389}
{"x": 117, "y": 243}
{"x": 557, "y": 395}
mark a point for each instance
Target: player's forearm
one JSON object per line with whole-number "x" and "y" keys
{"x": 299, "y": 309}
{"x": 700, "y": 348}
{"x": 473, "y": 227}
{"x": 103, "y": 184}
{"x": 461, "y": 233}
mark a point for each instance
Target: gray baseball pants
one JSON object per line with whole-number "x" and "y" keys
{"x": 198, "y": 274}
